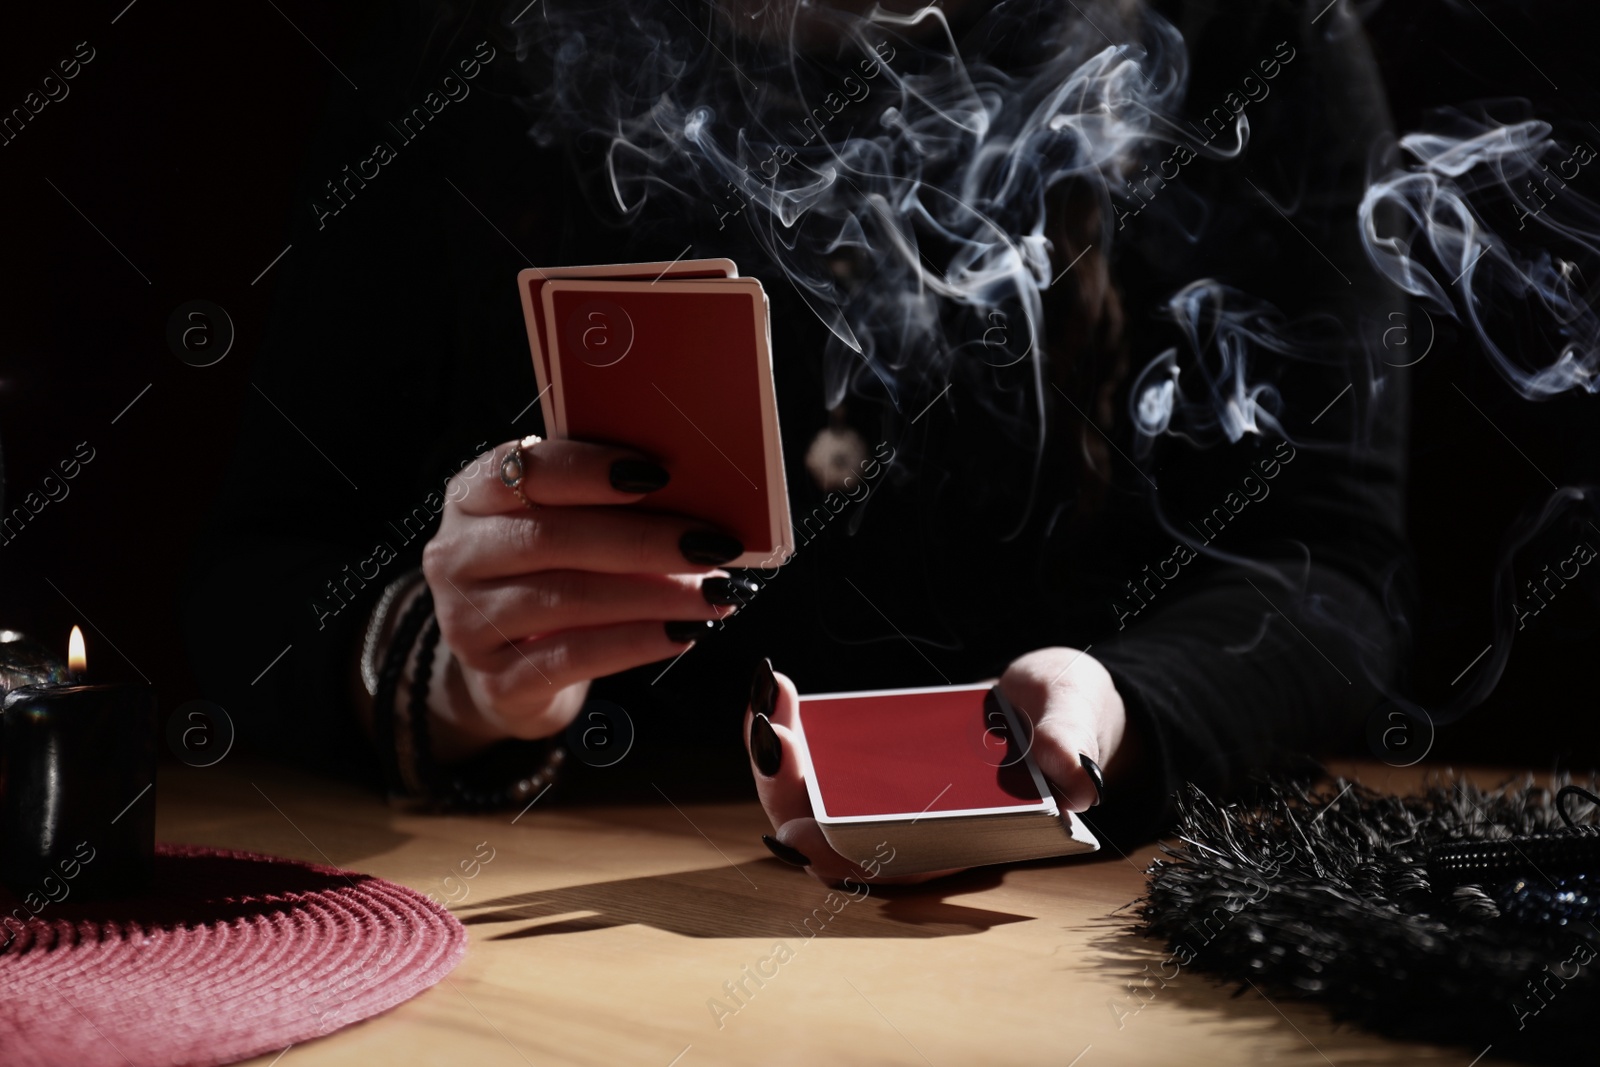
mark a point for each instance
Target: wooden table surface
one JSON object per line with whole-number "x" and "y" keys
{"x": 603, "y": 935}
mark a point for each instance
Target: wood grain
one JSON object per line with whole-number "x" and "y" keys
{"x": 602, "y": 935}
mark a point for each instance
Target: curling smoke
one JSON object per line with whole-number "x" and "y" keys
{"x": 1441, "y": 228}
{"x": 1234, "y": 345}
{"x": 1483, "y": 227}
{"x": 902, "y": 187}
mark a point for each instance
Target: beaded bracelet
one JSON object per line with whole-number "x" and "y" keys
{"x": 419, "y": 612}
{"x": 421, "y": 679}
{"x": 392, "y": 592}
{"x": 495, "y": 778}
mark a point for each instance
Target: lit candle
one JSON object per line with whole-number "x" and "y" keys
{"x": 77, "y": 656}
{"x": 77, "y": 777}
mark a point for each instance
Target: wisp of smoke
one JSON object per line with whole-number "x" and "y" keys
{"x": 901, "y": 188}
{"x": 1427, "y": 227}
{"x": 1235, "y": 344}
{"x": 1483, "y": 227}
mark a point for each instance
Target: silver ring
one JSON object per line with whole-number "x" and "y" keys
{"x": 513, "y": 469}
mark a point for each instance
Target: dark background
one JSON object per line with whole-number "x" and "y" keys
{"x": 179, "y": 145}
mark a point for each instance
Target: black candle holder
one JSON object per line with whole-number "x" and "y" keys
{"x": 77, "y": 791}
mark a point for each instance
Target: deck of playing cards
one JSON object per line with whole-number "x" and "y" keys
{"x": 674, "y": 360}
{"x": 945, "y": 776}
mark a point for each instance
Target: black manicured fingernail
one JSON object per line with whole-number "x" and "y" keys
{"x": 685, "y": 631}
{"x": 638, "y": 476}
{"x": 765, "y": 746}
{"x": 709, "y": 548}
{"x": 764, "y": 689}
{"x": 1092, "y": 769}
{"x": 722, "y": 591}
{"x": 785, "y": 852}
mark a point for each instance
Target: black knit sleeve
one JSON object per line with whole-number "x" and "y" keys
{"x": 1275, "y": 622}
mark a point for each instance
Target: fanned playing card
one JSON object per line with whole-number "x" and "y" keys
{"x": 680, "y": 370}
{"x": 531, "y": 281}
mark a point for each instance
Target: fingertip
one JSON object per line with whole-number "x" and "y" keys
{"x": 723, "y": 590}
{"x": 709, "y": 548}
{"x": 766, "y": 750}
{"x": 1096, "y": 778}
{"x": 1068, "y": 779}
{"x": 763, "y": 688}
{"x": 638, "y": 477}
{"x": 686, "y": 631}
{"x": 787, "y": 853}
{"x": 804, "y": 836}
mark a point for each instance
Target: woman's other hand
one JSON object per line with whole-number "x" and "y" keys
{"x": 1078, "y": 725}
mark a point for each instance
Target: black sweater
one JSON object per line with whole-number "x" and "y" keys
{"x": 1246, "y": 597}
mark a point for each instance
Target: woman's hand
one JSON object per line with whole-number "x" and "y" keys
{"x": 1078, "y": 726}
{"x": 1079, "y": 723}
{"x": 534, "y": 603}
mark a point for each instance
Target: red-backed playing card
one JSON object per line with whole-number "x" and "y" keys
{"x": 944, "y": 775}
{"x": 531, "y": 281}
{"x": 682, "y": 371}
{"x": 889, "y": 754}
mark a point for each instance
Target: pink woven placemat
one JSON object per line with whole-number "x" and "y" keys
{"x": 231, "y": 955}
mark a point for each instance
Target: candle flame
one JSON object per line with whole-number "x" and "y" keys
{"x": 77, "y": 660}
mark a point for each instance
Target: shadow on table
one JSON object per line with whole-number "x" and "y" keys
{"x": 760, "y": 899}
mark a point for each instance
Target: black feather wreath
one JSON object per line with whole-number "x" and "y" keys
{"x": 1326, "y": 896}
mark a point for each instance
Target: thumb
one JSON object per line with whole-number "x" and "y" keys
{"x": 1070, "y": 719}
